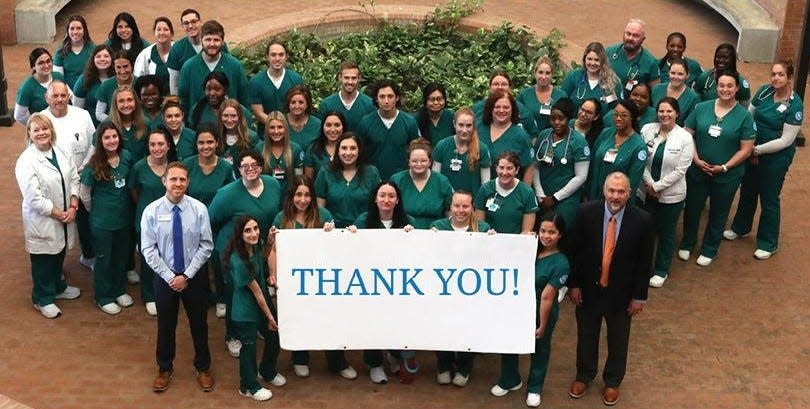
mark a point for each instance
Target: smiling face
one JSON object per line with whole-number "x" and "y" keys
{"x": 249, "y": 169}
{"x": 75, "y": 32}
{"x": 163, "y": 34}
{"x": 621, "y": 118}
{"x": 125, "y": 103}
{"x": 41, "y": 135}
{"x": 150, "y": 98}
{"x": 176, "y": 182}
{"x": 349, "y": 78}
{"x": 332, "y": 128}
{"x": 348, "y": 151}
{"x": 230, "y": 118}
{"x": 191, "y": 24}
{"x": 586, "y": 113}
{"x": 276, "y": 131}
{"x": 302, "y": 198}
{"x": 123, "y": 70}
{"x": 559, "y": 122}
{"x": 461, "y": 207}
{"x": 542, "y": 74}
{"x": 110, "y": 140}
{"x": 102, "y": 60}
{"x": 57, "y": 99}
{"x": 43, "y": 66}
{"x": 298, "y": 105}
{"x": 206, "y": 145}
{"x": 158, "y": 147}
{"x": 419, "y": 161}
{"x": 506, "y": 171}
{"x": 666, "y": 115}
{"x": 617, "y": 193}
{"x": 276, "y": 57}
{"x": 548, "y": 234}
{"x": 173, "y": 118}
{"x": 677, "y": 74}
{"x": 214, "y": 92}
{"x": 727, "y": 88}
{"x": 641, "y": 97}
{"x": 250, "y": 233}
{"x": 386, "y": 199}
{"x": 675, "y": 47}
{"x": 435, "y": 102}
{"x": 124, "y": 31}
{"x": 499, "y": 83}
{"x": 212, "y": 43}
{"x": 779, "y": 77}
{"x": 464, "y": 127}
{"x": 722, "y": 59}
{"x": 592, "y": 62}
{"x": 502, "y": 111}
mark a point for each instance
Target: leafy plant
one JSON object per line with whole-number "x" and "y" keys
{"x": 435, "y": 49}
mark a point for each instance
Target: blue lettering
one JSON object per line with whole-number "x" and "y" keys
{"x": 445, "y": 280}
{"x": 323, "y": 280}
{"x": 356, "y": 281}
{"x": 409, "y": 281}
{"x": 490, "y": 281}
{"x": 379, "y": 278}
{"x": 302, "y": 289}
{"x": 461, "y": 281}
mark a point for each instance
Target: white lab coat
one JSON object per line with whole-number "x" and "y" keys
{"x": 678, "y": 153}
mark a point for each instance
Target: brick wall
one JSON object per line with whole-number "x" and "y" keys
{"x": 7, "y": 34}
{"x": 776, "y": 8}
{"x": 792, "y": 30}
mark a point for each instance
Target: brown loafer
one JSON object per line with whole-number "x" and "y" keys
{"x": 577, "y": 389}
{"x": 205, "y": 380}
{"x": 162, "y": 380}
{"x": 610, "y": 396}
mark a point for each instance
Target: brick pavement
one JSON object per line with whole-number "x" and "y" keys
{"x": 730, "y": 336}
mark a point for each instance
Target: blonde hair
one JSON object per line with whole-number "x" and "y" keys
{"x": 286, "y": 153}
{"x": 42, "y": 120}
{"x": 607, "y": 78}
{"x": 137, "y": 114}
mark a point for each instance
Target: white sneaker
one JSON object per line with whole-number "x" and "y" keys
{"x": 279, "y": 380}
{"x": 133, "y": 277}
{"x": 657, "y": 281}
{"x": 561, "y": 294}
{"x": 151, "y": 308}
{"x": 348, "y": 373}
{"x": 763, "y": 254}
{"x": 124, "y": 300}
{"x": 443, "y": 378}
{"x": 87, "y": 262}
{"x": 684, "y": 254}
{"x": 234, "y": 346}
{"x": 703, "y": 261}
{"x": 393, "y": 363}
{"x": 301, "y": 371}
{"x": 377, "y": 375}
{"x": 70, "y": 293}
{"x": 260, "y": 395}
{"x": 221, "y": 310}
{"x": 533, "y": 400}
{"x": 48, "y": 311}
{"x": 729, "y": 234}
{"x": 498, "y": 391}
{"x": 460, "y": 380}
{"x": 111, "y": 308}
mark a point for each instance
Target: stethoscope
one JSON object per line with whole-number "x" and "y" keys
{"x": 548, "y": 145}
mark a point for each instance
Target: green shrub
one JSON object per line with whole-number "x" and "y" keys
{"x": 436, "y": 49}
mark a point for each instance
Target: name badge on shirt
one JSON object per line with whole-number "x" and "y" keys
{"x": 548, "y": 158}
{"x": 545, "y": 110}
{"x": 164, "y": 217}
{"x": 79, "y": 148}
{"x": 455, "y": 164}
{"x": 491, "y": 205}
{"x": 278, "y": 173}
{"x": 630, "y": 84}
{"x": 609, "y": 98}
{"x": 715, "y": 131}
{"x": 782, "y": 108}
{"x": 610, "y": 155}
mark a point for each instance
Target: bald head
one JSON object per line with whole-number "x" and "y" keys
{"x": 634, "y": 34}
{"x": 617, "y": 191}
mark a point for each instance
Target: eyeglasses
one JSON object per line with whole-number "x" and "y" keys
{"x": 435, "y": 99}
{"x": 587, "y": 112}
{"x": 190, "y": 22}
{"x": 250, "y": 166}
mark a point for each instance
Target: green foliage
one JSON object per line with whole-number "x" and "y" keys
{"x": 436, "y": 49}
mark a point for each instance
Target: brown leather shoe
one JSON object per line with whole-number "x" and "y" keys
{"x": 205, "y": 380}
{"x": 610, "y": 396}
{"x": 577, "y": 389}
{"x": 162, "y": 380}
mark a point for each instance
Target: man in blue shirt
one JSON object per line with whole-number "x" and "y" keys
{"x": 176, "y": 242}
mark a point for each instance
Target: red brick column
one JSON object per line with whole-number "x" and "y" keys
{"x": 7, "y": 34}
{"x": 792, "y": 30}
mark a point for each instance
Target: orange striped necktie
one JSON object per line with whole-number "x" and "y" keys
{"x": 607, "y": 251}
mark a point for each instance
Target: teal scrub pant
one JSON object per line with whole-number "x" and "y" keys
{"x": 335, "y": 360}
{"x": 246, "y": 332}
{"x": 112, "y": 249}
{"x": 47, "y": 277}
{"x": 700, "y": 187}
{"x": 567, "y": 208}
{"x": 83, "y": 227}
{"x": 510, "y": 371}
{"x": 764, "y": 182}
{"x": 665, "y": 216}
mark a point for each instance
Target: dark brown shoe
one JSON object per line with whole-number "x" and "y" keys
{"x": 205, "y": 380}
{"x": 610, "y": 396}
{"x": 162, "y": 380}
{"x": 577, "y": 389}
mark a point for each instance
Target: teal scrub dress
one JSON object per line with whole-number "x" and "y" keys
{"x": 554, "y": 174}
{"x": 694, "y": 71}
{"x": 456, "y": 166}
{"x": 277, "y": 166}
{"x": 764, "y": 180}
{"x": 361, "y": 107}
{"x": 202, "y": 186}
{"x": 427, "y": 205}
{"x": 308, "y": 134}
{"x": 578, "y": 88}
{"x": 73, "y": 63}
{"x": 686, "y": 102}
{"x": 346, "y": 199}
{"x": 505, "y": 213}
{"x": 526, "y": 117}
{"x": 736, "y": 126}
{"x": 191, "y": 87}
{"x": 90, "y": 96}
{"x": 32, "y": 94}
{"x": 387, "y": 147}
{"x": 514, "y": 139}
{"x": 111, "y": 218}
{"x": 550, "y": 270}
{"x": 540, "y": 109}
{"x": 706, "y": 87}
{"x": 641, "y": 68}
{"x": 262, "y": 91}
{"x": 630, "y": 158}
{"x": 150, "y": 188}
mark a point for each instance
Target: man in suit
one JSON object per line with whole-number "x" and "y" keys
{"x": 613, "y": 247}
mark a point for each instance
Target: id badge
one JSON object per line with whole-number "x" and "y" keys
{"x": 278, "y": 173}
{"x": 119, "y": 182}
{"x": 228, "y": 159}
{"x": 164, "y": 217}
{"x": 79, "y": 148}
{"x": 545, "y": 110}
{"x": 609, "y": 98}
{"x": 455, "y": 164}
{"x": 491, "y": 205}
{"x": 548, "y": 158}
{"x": 782, "y": 108}
{"x": 715, "y": 131}
{"x": 630, "y": 84}
{"x": 610, "y": 155}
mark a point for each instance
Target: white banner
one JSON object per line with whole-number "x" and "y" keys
{"x": 422, "y": 290}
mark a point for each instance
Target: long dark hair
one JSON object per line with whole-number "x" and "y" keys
{"x": 559, "y": 224}
{"x": 99, "y": 161}
{"x": 335, "y": 165}
{"x": 319, "y": 145}
{"x": 136, "y": 44}
{"x": 202, "y": 104}
{"x": 373, "y": 221}
{"x": 422, "y": 115}
{"x": 91, "y": 74}
{"x": 66, "y": 46}
{"x": 312, "y": 215}
{"x": 237, "y": 244}
{"x": 171, "y": 154}
{"x": 598, "y": 123}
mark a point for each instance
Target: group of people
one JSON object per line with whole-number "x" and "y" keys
{"x": 169, "y": 152}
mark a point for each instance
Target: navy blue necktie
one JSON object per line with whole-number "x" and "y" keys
{"x": 177, "y": 237}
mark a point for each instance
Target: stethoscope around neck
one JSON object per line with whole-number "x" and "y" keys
{"x": 549, "y": 146}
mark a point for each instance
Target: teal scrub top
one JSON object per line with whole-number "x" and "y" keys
{"x": 694, "y": 71}
{"x": 456, "y": 166}
{"x": 771, "y": 116}
{"x": 73, "y": 63}
{"x": 551, "y": 270}
{"x": 505, "y": 213}
{"x": 514, "y": 139}
{"x": 346, "y": 199}
{"x": 262, "y": 91}
{"x": 361, "y": 107}
{"x": 137, "y": 148}
{"x": 686, "y": 102}
{"x": 203, "y": 113}
{"x": 231, "y": 152}
{"x": 387, "y": 148}
{"x": 106, "y": 91}
{"x": 648, "y": 116}
{"x": 446, "y": 225}
{"x": 736, "y": 126}
{"x": 244, "y": 307}
{"x": 112, "y": 205}
{"x": 641, "y": 68}
{"x": 555, "y": 175}
{"x": 277, "y": 166}
{"x": 540, "y": 110}
{"x": 190, "y": 87}
{"x": 234, "y": 200}
{"x": 308, "y": 134}
{"x": 187, "y": 144}
{"x": 148, "y": 185}
{"x": 161, "y": 68}
{"x": 360, "y": 222}
{"x": 631, "y": 158}
{"x": 578, "y": 88}
{"x": 90, "y": 96}
{"x": 182, "y": 51}
{"x": 526, "y": 117}
{"x": 427, "y": 205}
{"x": 441, "y": 129}
{"x": 706, "y": 87}
{"x": 32, "y": 94}
{"x": 203, "y": 187}
{"x": 323, "y": 215}
{"x": 316, "y": 161}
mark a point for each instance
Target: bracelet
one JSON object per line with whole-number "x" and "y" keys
{"x": 725, "y": 168}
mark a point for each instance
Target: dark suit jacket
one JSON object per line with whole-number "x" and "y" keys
{"x": 632, "y": 257}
